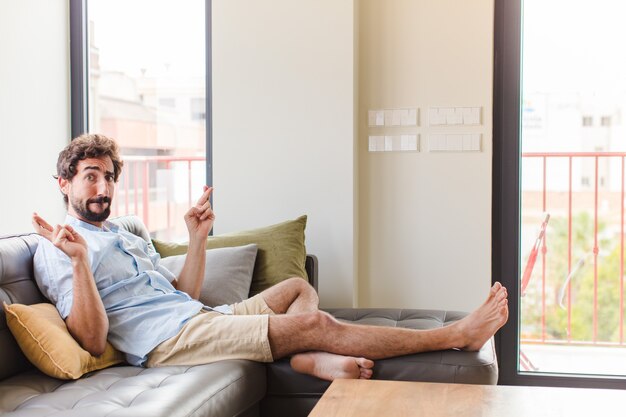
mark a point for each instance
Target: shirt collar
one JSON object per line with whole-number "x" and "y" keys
{"x": 107, "y": 226}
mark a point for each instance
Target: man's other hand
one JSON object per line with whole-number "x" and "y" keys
{"x": 199, "y": 218}
{"x": 68, "y": 240}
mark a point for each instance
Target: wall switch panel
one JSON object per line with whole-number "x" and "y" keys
{"x": 392, "y": 117}
{"x": 456, "y": 142}
{"x": 393, "y": 143}
{"x": 453, "y": 116}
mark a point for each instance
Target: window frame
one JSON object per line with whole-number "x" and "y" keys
{"x": 505, "y": 262}
{"x": 79, "y": 65}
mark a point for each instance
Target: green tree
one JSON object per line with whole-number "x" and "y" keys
{"x": 582, "y": 284}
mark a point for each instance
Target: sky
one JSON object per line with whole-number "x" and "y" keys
{"x": 150, "y": 34}
{"x": 574, "y": 45}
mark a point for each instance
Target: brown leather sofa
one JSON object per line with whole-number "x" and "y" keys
{"x": 229, "y": 388}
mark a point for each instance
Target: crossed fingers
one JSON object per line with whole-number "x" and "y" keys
{"x": 203, "y": 206}
{"x": 56, "y": 234}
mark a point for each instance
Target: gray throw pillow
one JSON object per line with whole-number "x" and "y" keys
{"x": 227, "y": 273}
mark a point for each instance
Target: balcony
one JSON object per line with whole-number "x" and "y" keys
{"x": 572, "y": 307}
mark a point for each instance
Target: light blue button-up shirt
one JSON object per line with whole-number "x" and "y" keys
{"x": 143, "y": 307}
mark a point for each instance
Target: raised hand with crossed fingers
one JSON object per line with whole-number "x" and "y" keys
{"x": 63, "y": 237}
{"x": 199, "y": 220}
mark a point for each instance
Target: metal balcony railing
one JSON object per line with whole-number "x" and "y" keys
{"x": 613, "y": 163}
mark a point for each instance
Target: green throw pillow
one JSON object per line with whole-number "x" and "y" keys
{"x": 281, "y": 253}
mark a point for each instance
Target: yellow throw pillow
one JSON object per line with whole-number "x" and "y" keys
{"x": 43, "y": 337}
{"x": 281, "y": 253}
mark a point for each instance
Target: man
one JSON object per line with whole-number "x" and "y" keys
{"x": 108, "y": 284}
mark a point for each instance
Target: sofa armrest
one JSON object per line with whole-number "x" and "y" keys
{"x": 311, "y": 269}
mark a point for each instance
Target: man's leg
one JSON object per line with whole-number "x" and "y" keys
{"x": 291, "y": 296}
{"x": 318, "y": 331}
{"x": 295, "y": 296}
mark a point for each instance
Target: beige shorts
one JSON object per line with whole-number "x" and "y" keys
{"x": 210, "y": 336}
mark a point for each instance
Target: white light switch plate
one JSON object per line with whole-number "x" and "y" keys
{"x": 452, "y": 116}
{"x": 455, "y": 142}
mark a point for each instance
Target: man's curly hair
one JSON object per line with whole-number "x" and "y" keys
{"x": 88, "y": 146}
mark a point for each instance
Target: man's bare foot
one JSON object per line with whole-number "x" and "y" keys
{"x": 480, "y": 325}
{"x": 329, "y": 366}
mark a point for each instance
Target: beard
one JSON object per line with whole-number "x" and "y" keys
{"x": 82, "y": 209}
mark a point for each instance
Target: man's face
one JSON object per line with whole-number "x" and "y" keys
{"x": 91, "y": 190}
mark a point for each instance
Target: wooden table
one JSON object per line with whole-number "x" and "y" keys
{"x": 362, "y": 398}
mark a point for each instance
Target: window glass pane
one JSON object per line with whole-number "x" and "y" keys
{"x": 573, "y": 144}
{"x": 147, "y": 91}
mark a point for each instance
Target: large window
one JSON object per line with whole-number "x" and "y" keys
{"x": 559, "y": 191}
{"x": 140, "y": 75}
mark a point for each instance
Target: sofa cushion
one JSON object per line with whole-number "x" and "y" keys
{"x": 43, "y": 337}
{"x": 219, "y": 389}
{"x": 227, "y": 273}
{"x": 298, "y": 393}
{"x": 281, "y": 252}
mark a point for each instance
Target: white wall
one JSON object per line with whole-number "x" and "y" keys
{"x": 425, "y": 218}
{"x": 284, "y": 134}
{"x": 34, "y": 108}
